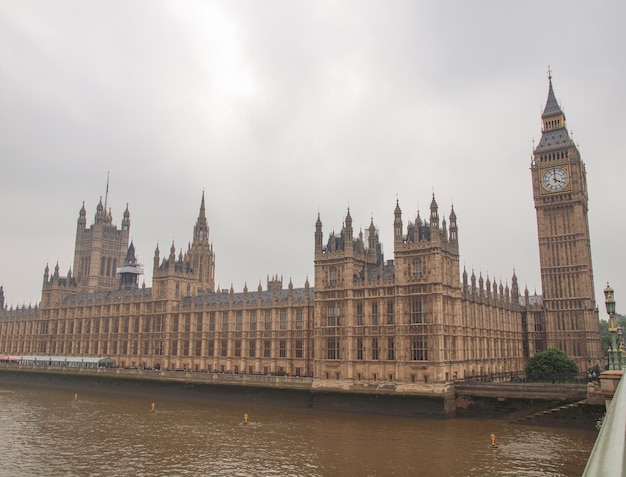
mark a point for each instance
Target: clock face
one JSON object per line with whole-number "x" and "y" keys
{"x": 555, "y": 179}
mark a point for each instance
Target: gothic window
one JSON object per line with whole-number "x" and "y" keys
{"x": 283, "y": 319}
{"x": 417, "y": 268}
{"x": 299, "y": 352}
{"x": 333, "y": 348}
{"x": 282, "y": 348}
{"x": 418, "y": 310}
{"x": 359, "y": 314}
{"x": 175, "y": 323}
{"x": 374, "y": 313}
{"x": 252, "y": 321}
{"x": 252, "y": 349}
{"x": 211, "y": 350}
{"x": 390, "y": 315}
{"x": 198, "y": 348}
{"x": 299, "y": 319}
{"x": 374, "y": 348}
{"x": 333, "y": 316}
{"x": 224, "y": 322}
{"x": 419, "y": 348}
{"x": 391, "y": 350}
{"x": 174, "y": 348}
{"x": 224, "y": 346}
{"x": 268, "y": 320}
{"x": 239, "y": 321}
{"x": 212, "y": 321}
{"x": 359, "y": 348}
{"x": 334, "y": 276}
{"x": 267, "y": 349}
{"x": 237, "y": 348}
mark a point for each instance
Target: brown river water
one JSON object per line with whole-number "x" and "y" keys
{"x": 45, "y": 431}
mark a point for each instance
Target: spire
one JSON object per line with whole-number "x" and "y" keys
{"x": 318, "y": 234}
{"x": 454, "y": 231}
{"x": 201, "y": 229}
{"x": 552, "y": 106}
{"x": 371, "y": 232}
{"x": 349, "y": 235}
{"x": 514, "y": 286}
{"x": 82, "y": 217}
{"x": 126, "y": 219}
{"x": 106, "y": 194}
{"x": 397, "y": 223}
{"x": 130, "y": 255}
{"x": 157, "y": 257}
{"x": 130, "y": 270}
{"x": 555, "y": 140}
{"x": 100, "y": 212}
{"x": 434, "y": 214}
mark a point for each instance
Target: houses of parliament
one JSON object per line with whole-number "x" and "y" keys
{"x": 416, "y": 322}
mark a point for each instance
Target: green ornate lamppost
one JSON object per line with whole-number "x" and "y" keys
{"x": 616, "y": 348}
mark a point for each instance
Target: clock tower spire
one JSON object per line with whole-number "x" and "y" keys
{"x": 561, "y": 203}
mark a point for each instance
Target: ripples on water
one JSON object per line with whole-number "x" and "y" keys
{"x": 46, "y": 433}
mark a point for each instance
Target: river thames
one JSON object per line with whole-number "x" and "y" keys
{"x": 47, "y": 432}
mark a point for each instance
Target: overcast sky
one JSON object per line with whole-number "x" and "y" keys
{"x": 279, "y": 110}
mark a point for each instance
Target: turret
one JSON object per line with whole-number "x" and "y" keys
{"x": 397, "y": 224}
{"x": 348, "y": 232}
{"x": 454, "y": 231}
{"x": 434, "y": 216}
{"x": 201, "y": 229}
{"x": 126, "y": 219}
{"x": 157, "y": 259}
{"x": 372, "y": 239}
{"x": 100, "y": 213}
{"x": 514, "y": 288}
{"x": 82, "y": 217}
{"x": 319, "y": 237}
{"x": 129, "y": 272}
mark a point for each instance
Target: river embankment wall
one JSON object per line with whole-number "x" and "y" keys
{"x": 461, "y": 399}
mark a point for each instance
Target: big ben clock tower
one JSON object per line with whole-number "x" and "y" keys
{"x": 560, "y": 193}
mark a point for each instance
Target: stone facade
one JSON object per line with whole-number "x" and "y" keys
{"x": 414, "y": 323}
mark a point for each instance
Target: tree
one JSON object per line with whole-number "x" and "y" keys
{"x": 620, "y": 320}
{"x": 551, "y": 365}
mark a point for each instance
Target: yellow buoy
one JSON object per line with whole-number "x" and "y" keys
{"x": 245, "y": 418}
{"x": 75, "y": 397}
{"x": 153, "y": 406}
{"x": 493, "y": 439}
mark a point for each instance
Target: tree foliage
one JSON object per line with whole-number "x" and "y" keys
{"x": 620, "y": 320}
{"x": 551, "y": 365}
